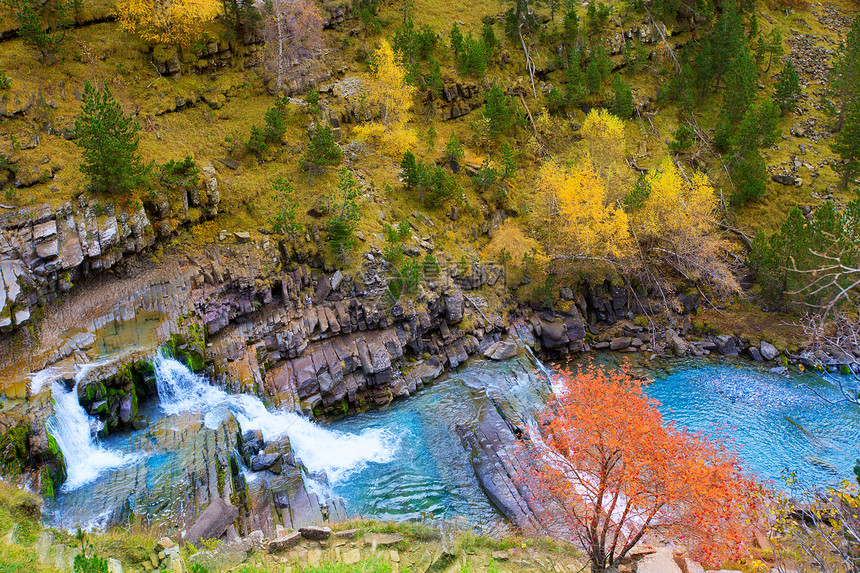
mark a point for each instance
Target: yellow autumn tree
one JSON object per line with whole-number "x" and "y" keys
{"x": 171, "y": 22}
{"x": 677, "y": 225}
{"x": 605, "y": 143}
{"x": 390, "y": 98}
{"x": 588, "y": 227}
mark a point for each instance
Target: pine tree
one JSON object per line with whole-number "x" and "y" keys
{"x": 787, "y": 89}
{"x": 719, "y": 49}
{"x": 844, "y": 79}
{"x": 35, "y": 32}
{"x": 109, "y": 141}
{"x": 410, "y": 170}
{"x": 323, "y": 150}
{"x": 574, "y": 88}
{"x": 499, "y": 112}
{"x": 739, "y": 94}
{"x": 622, "y": 99}
{"x": 456, "y": 39}
{"x": 847, "y": 143}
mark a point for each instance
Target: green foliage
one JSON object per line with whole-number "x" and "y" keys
{"x": 741, "y": 82}
{"x": 622, "y": 99}
{"x": 42, "y": 25}
{"x": 284, "y": 222}
{"x": 487, "y": 176}
{"x": 414, "y": 45}
{"x": 179, "y": 176}
{"x": 750, "y": 177}
{"x": 405, "y": 279}
{"x": 109, "y": 141}
{"x": 430, "y": 182}
{"x": 241, "y": 17}
{"x": 575, "y": 88}
{"x": 456, "y": 40}
{"x": 508, "y": 159}
{"x": 5, "y": 84}
{"x": 93, "y": 564}
{"x": 197, "y": 568}
{"x": 430, "y": 266}
{"x": 433, "y": 80}
{"x": 636, "y": 197}
{"x": 313, "y": 100}
{"x": 847, "y": 144}
{"x": 843, "y": 82}
{"x": 323, "y": 150}
{"x": 488, "y": 37}
{"x": 716, "y": 53}
{"x": 787, "y": 89}
{"x": 367, "y": 10}
{"x": 394, "y": 237}
{"x": 768, "y": 47}
{"x": 570, "y": 27}
{"x": 256, "y": 140}
{"x": 276, "y": 121}
{"x": 683, "y": 139}
{"x": 499, "y": 112}
{"x": 365, "y": 566}
{"x": 453, "y": 148}
{"x": 345, "y": 214}
{"x": 779, "y": 260}
{"x": 598, "y": 68}
{"x": 472, "y": 60}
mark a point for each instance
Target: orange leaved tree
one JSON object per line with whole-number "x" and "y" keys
{"x": 613, "y": 471}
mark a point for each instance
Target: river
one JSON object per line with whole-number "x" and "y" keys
{"x": 407, "y": 462}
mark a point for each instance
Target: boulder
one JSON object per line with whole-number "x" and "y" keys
{"x": 501, "y": 350}
{"x": 676, "y": 343}
{"x": 270, "y": 462}
{"x": 754, "y": 353}
{"x": 661, "y": 561}
{"x": 315, "y": 533}
{"x": 726, "y": 345}
{"x": 213, "y": 522}
{"x": 284, "y": 542}
{"x": 768, "y": 351}
{"x": 619, "y": 343}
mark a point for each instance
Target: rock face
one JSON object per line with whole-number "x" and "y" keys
{"x": 43, "y": 252}
{"x": 213, "y": 522}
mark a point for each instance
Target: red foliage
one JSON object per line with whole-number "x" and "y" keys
{"x": 615, "y": 471}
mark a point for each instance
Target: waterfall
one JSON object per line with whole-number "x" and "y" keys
{"x": 73, "y": 430}
{"x": 337, "y": 454}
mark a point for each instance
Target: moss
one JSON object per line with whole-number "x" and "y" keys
{"x": 47, "y": 484}
{"x": 14, "y": 450}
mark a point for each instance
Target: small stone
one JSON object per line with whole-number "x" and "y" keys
{"x": 500, "y": 555}
{"x": 382, "y": 539}
{"x": 284, "y": 542}
{"x": 243, "y": 236}
{"x": 113, "y": 565}
{"x": 351, "y": 556}
{"x": 345, "y": 534}
{"x": 315, "y": 533}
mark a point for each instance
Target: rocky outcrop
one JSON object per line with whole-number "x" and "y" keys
{"x": 44, "y": 252}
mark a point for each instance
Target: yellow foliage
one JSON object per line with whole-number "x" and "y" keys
{"x": 605, "y": 142}
{"x": 514, "y": 242}
{"x": 171, "y": 22}
{"x": 676, "y": 206}
{"x": 589, "y": 226}
{"x": 390, "y": 95}
{"x": 389, "y": 140}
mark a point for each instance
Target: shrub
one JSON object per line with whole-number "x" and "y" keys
{"x": 499, "y": 113}
{"x": 787, "y": 89}
{"x": 284, "y": 221}
{"x": 684, "y": 136}
{"x": 323, "y": 150}
{"x": 622, "y": 99}
{"x": 5, "y": 84}
{"x": 179, "y": 175}
{"x": 345, "y": 213}
{"x": 276, "y": 121}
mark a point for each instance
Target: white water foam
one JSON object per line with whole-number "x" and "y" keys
{"x": 337, "y": 454}
{"x": 73, "y": 430}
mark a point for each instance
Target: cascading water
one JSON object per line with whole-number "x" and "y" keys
{"x": 336, "y": 454}
{"x": 74, "y": 430}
